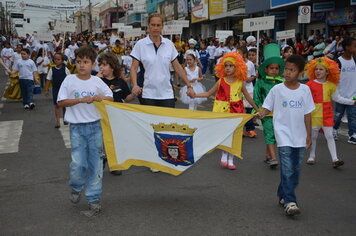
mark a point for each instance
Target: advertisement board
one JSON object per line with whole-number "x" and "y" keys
{"x": 216, "y": 7}
{"x": 200, "y": 10}
{"x": 342, "y": 16}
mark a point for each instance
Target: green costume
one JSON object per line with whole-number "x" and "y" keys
{"x": 265, "y": 83}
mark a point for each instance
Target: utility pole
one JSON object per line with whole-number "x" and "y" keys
{"x": 117, "y": 11}
{"x": 90, "y": 18}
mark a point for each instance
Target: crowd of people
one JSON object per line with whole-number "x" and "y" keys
{"x": 80, "y": 69}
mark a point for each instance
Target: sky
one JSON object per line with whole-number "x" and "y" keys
{"x": 39, "y": 18}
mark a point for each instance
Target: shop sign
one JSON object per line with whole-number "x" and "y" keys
{"x": 282, "y": 3}
{"x": 342, "y": 16}
{"x": 281, "y": 15}
{"x": 323, "y": 6}
{"x": 353, "y": 2}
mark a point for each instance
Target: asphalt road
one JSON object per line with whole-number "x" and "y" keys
{"x": 205, "y": 200}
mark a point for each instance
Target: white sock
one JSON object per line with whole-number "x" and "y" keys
{"x": 231, "y": 159}
{"x": 315, "y": 133}
{"x": 224, "y": 156}
{"x": 328, "y": 131}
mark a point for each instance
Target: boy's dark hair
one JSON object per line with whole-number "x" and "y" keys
{"x": 298, "y": 60}
{"x": 347, "y": 42}
{"x": 113, "y": 62}
{"x": 26, "y": 50}
{"x": 86, "y": 51}
{"x": 243, "y": 49}
{"x": 60, "y": 54}
{"x": 253, "y": 50}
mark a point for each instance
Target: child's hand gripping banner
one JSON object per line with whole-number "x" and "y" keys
{"x": 167, "y": 139}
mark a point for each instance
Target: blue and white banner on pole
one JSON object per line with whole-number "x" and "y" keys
{"x": 170, "y": 140}
{"x": 282, "y": 3}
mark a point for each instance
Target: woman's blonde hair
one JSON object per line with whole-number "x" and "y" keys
{"x": 155, "y": 15}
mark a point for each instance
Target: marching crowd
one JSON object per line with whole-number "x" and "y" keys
{"x": 80, "y": 69}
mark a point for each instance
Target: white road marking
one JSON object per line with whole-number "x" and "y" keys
{"x": 64, "y": 129}
{"x": 10, "y": 133}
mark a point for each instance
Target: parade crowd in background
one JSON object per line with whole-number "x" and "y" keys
{"x": 122, "y": 70}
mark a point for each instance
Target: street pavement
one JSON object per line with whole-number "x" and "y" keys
{"x": 205, "y": 200}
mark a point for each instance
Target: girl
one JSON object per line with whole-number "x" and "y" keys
{"x": 192, "y": 50}
{"x": 232, "y": 72}
{"x": 42, "y": 63}
{"x": 7, "y": 55}
{"x": 287, "y": 52}
{"x": 324, "y": 75}
{"x": 194, "y": 76}
{"x": 112, "y": 74}
{"x": 56, "y": 74}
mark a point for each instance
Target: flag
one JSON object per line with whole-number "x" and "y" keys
{"x": 167, "y": 139}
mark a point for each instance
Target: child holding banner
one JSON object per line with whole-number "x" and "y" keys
{"x": 232, "y": 71}
{"x": 77, "y": 94}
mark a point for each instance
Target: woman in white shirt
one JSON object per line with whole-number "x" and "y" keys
{"x": 156, "y": 54}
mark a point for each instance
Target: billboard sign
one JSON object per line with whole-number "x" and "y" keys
{"x": 200, "y": 10}
{"x": 282, "y": 3}
{"x": 258, "y": 23}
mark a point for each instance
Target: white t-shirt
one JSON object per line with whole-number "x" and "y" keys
{"x": 25, "y": 68}
{"x": 347, "y": 84}
{"x": 17, "y": 57}
{"x": 72, "y": 88}
{"x": 211, "y": 50}
{"x": 101, "y": 45}
{"x": 157, "y": 76}
{"x": 43, "y": 68}
{"x": 289, "y": 107}
{"x": 72, "y": 49}
{"x": 251, "y": 71}
{"x": 7, "y": 52}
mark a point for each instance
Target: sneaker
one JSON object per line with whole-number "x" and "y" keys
{"x": 335, "y": 134}
{"x": 267, "y": 160}
{"x": 231, "y": 167}
{"x": 273, "y": 163}
{"x": 281, "y": 202}
{"x": 292, "y": 209}
{"x": 338, "y": 163}
{"x": 32, "y": 105}
{"x": 310, "y": 161}
{"x": 26, "y": 106}
{"x": 251, "y": 134}
{"x": 352, "y": 139}
{"x": 94, "y": 209}
{"x": 75, "y": 197}
{"x": 223, "y": 163}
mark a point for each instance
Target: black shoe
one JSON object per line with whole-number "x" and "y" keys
{"x": 32, "y": 105}
{"x": 65, "y": 122}
{"x": 116, "y": 172}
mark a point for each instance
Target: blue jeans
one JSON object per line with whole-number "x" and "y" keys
{"x": 290, "y": 160}
{"x": 86, "y": 168}
{"x": 26, "y": 87}
{"x": 351, "y": 117}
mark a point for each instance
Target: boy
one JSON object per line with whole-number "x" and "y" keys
{"x": 347, "y": 89}
{"x": 204, "y": 57}
{"x": 251, "y": 76}
{"x": 292, "y": 104}
{"x": 77, "y": 93}
{"x": 27, "y": 74}
{"x": 270, "y": 71}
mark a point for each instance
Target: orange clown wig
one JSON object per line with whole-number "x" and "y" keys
{"x": 331, "y": 66}
{"x": 236, "y": 59}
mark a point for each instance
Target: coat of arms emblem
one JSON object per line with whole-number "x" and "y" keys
{"x": 174, "y": 143}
